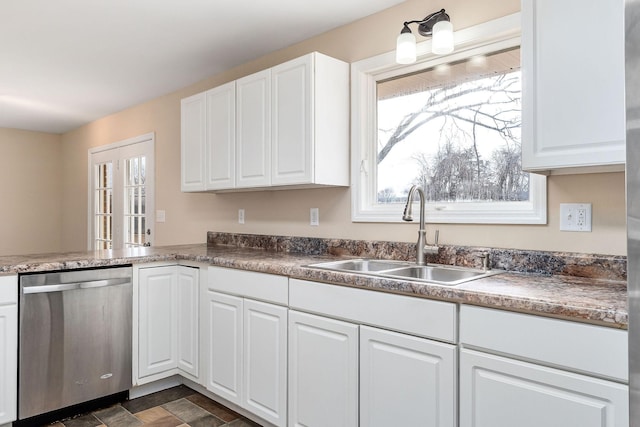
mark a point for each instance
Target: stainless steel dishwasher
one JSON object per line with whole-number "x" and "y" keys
{"x": 75, "y": 338}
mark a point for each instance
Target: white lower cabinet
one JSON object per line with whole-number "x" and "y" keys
{"x": 300, "y": 353}
{"x": 224, "y": 340}
{"x": 8, "y": 348}
{"x": 188, "y": 317}
{"x": 167, "y": 334}
{"x": 323, "y": 371}
{"x": 406, "y": 380}
{"x": 501, "y": 392}
{"x": 356, "y": 372}
{"x": 265, "y": 360}
{"x": 247, "y": 341}
{"x": 529, "y": 371}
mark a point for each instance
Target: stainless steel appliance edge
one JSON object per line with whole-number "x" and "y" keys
{"x": 632, "y": 96}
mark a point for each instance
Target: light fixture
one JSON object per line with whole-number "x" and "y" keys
{"x": 436, "y": 25}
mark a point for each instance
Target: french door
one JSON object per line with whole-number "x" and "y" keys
{"x": 121, "y": 203}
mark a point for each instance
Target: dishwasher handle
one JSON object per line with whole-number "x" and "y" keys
{"x": 73, "y": 286}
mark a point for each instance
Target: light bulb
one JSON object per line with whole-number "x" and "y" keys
{"x": 406, "y": 48}
{"x": 442, "y": 42}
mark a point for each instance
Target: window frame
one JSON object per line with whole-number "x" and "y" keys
{"x": 501, "y": 33}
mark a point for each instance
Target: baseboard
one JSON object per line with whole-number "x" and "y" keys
{"x": 155, "y": 386}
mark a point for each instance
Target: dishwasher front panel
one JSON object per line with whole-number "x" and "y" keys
{"x": 75, "y": 338}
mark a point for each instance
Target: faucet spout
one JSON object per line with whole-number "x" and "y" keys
{"x": 421, "y": 246}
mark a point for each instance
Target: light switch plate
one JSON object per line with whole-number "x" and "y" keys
{"x": 575, "y": 216}
{"x": 160, "y": 216}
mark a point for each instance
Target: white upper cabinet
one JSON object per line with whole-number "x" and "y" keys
{"x": 221, "y": 137}
{"x": 573, "y": 86}
{"x": 282, "y": 127}
{"x": 208, "y": 127}
{"x": 253, "y": 138}
{"x": 193, "y": 143}
{"x": 310, "y": 121}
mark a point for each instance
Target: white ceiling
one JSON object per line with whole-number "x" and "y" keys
{"x": 64, "y": 63}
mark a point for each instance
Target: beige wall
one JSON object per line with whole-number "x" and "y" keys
{"x": 30, "y": 189}
{"x": 190, "y": 216}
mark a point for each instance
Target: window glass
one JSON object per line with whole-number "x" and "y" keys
{"x": 453, "y": 129}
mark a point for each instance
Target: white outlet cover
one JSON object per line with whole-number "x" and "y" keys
{"x": 240, "y": 216}
{"x": 575, "y": 216}
{"x": 314, "y": 216}
{"x": 160, "y": 216}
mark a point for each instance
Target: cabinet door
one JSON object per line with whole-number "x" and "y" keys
{"x": 157, "y": 312}
{"x": 187, "y": 317}
{"x": 193, "y": 143}
{"x": 221, "y": 137}
{"x": 253, "y": 130}
{"x": 292, "y": 132}
{"x": 406, "y": 378}
{"x": 323, "y": 371}
{"x": 224, "y": 316}
{"x": 573, "y": 93}
{"x": 265, "y": 361}
{"x": 501, "y": 392}
{"x": 8, "y": 362}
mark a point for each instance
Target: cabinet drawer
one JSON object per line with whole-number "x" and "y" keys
{"x": 260, "y": 286}
{"x": 8, "y": 290}
{"x": 416, "y": 316}
{"x": 580, "y": 347}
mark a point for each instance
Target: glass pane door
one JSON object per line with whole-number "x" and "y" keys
{"x": 135, "y": 227}
{"x": 103, "y": 205}
{"x": 122, "y": 205}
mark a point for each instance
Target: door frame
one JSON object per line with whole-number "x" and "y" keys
{"x": 90, "y": 193}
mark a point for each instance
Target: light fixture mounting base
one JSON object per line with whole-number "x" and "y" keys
{"x": 425, "y": 27}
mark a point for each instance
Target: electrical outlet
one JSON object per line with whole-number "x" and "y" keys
{"x": 575, "y": 216}
{"x": 160, "y": 216}
{"x": 314, "y": 216}
{"x": 240, "y": 216}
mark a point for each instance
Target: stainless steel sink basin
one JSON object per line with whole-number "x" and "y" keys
{"x": 440, "y": 274}
{"x": 361, "y": 265}
{"x": 432, "y": 273}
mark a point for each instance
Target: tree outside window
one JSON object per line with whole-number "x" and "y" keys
{"x": 455, "y": 131}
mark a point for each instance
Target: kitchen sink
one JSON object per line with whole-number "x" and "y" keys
{"x": 361, "y": 265}
{"x": 432, "y": 273}
{"x": 440, "y": 274}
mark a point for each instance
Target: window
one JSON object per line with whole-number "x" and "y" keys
{"x": 121, "y": 199}
{"x": 449, "y": 124}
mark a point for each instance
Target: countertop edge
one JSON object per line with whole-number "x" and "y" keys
{"x": 557, "y": 297}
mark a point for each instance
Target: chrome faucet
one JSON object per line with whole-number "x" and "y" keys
{"x": 422, "y": 247}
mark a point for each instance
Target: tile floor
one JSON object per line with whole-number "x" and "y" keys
{"x": 177, "y": 406}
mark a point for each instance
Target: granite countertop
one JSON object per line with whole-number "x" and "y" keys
{"x": 597, "y": 301}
